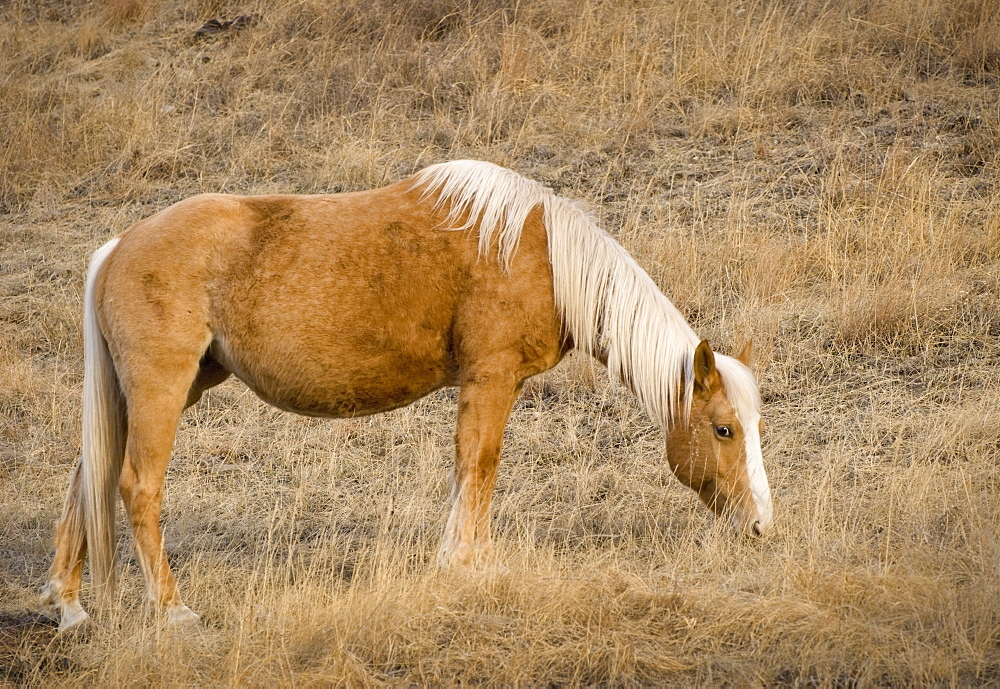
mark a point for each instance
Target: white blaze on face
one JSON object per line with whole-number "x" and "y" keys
{"x": 741, "y": 390}
{"x": 759, "y": 487}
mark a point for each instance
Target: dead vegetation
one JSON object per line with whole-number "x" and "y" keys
{"x": 821, "y": 176}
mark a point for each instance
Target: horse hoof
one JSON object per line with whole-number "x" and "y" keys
{"x": 73, "y": 619}
{"x": 71, "y": 615}
{"x": 182, "y": 615}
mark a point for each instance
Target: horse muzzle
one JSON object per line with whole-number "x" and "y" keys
{"x": 753, "y": 523}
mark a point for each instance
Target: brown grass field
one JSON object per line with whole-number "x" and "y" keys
{"x": 820, "y": 176}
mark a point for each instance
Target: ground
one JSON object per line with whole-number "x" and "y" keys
{"x": 821, "y": 178}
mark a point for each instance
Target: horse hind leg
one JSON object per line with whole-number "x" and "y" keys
{"x": 484, "y": 405}
{"x": 62, "y": 591}
{"x": 158, "y": 390}
{"x": 66, "y": 574}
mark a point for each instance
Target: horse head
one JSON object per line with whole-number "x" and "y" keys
{"x": 717, "y": 453}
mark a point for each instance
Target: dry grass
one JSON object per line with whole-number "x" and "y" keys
{"x": 821, "y": 176}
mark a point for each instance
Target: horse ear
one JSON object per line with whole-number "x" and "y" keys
{"x": 706, "y": 377}
{"x": 746, "y": 354}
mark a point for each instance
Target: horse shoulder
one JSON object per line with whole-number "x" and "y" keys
{"x": 510, "y": 318}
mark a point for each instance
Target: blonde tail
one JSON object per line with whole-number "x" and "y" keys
{"x": 104, "y": 432}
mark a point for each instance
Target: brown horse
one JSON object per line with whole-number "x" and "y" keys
{"x": 350, "y": 304}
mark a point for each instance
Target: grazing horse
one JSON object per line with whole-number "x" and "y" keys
{"x": 466, "y": 274}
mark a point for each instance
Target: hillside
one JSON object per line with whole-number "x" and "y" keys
{"x": 823, "y": 178}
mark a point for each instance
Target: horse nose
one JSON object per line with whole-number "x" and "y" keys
{"x": 759, "y": 528}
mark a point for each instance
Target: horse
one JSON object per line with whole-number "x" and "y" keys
{"x": 466, "y": 274}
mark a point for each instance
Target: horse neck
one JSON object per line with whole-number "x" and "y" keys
{"x": 610, "y": 307}
{"x": 613, "y": 310}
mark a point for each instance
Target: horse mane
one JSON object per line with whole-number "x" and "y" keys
{"x": 610, "y": 306}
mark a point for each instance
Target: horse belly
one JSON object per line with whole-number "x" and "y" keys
{"x": 359, "y": 372}
{"x": 360, "y": 398}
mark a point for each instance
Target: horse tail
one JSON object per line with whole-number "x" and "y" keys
{"x": 104, "y": 433}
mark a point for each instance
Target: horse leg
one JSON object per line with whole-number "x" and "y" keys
{"x": 484, "y": 405}
{"x": 154, "y": 407}
{"x": 66, "y": 574}
{"x": 62, "y": 590}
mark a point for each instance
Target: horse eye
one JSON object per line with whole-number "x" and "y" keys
{"x": 724, "y": 431}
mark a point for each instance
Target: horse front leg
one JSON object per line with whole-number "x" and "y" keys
{"x": 484, "y": 405}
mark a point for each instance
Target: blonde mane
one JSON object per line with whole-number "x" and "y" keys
{"x": 610, "y": 306}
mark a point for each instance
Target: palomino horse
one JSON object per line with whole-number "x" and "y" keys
{"x": 351, "y": 304}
